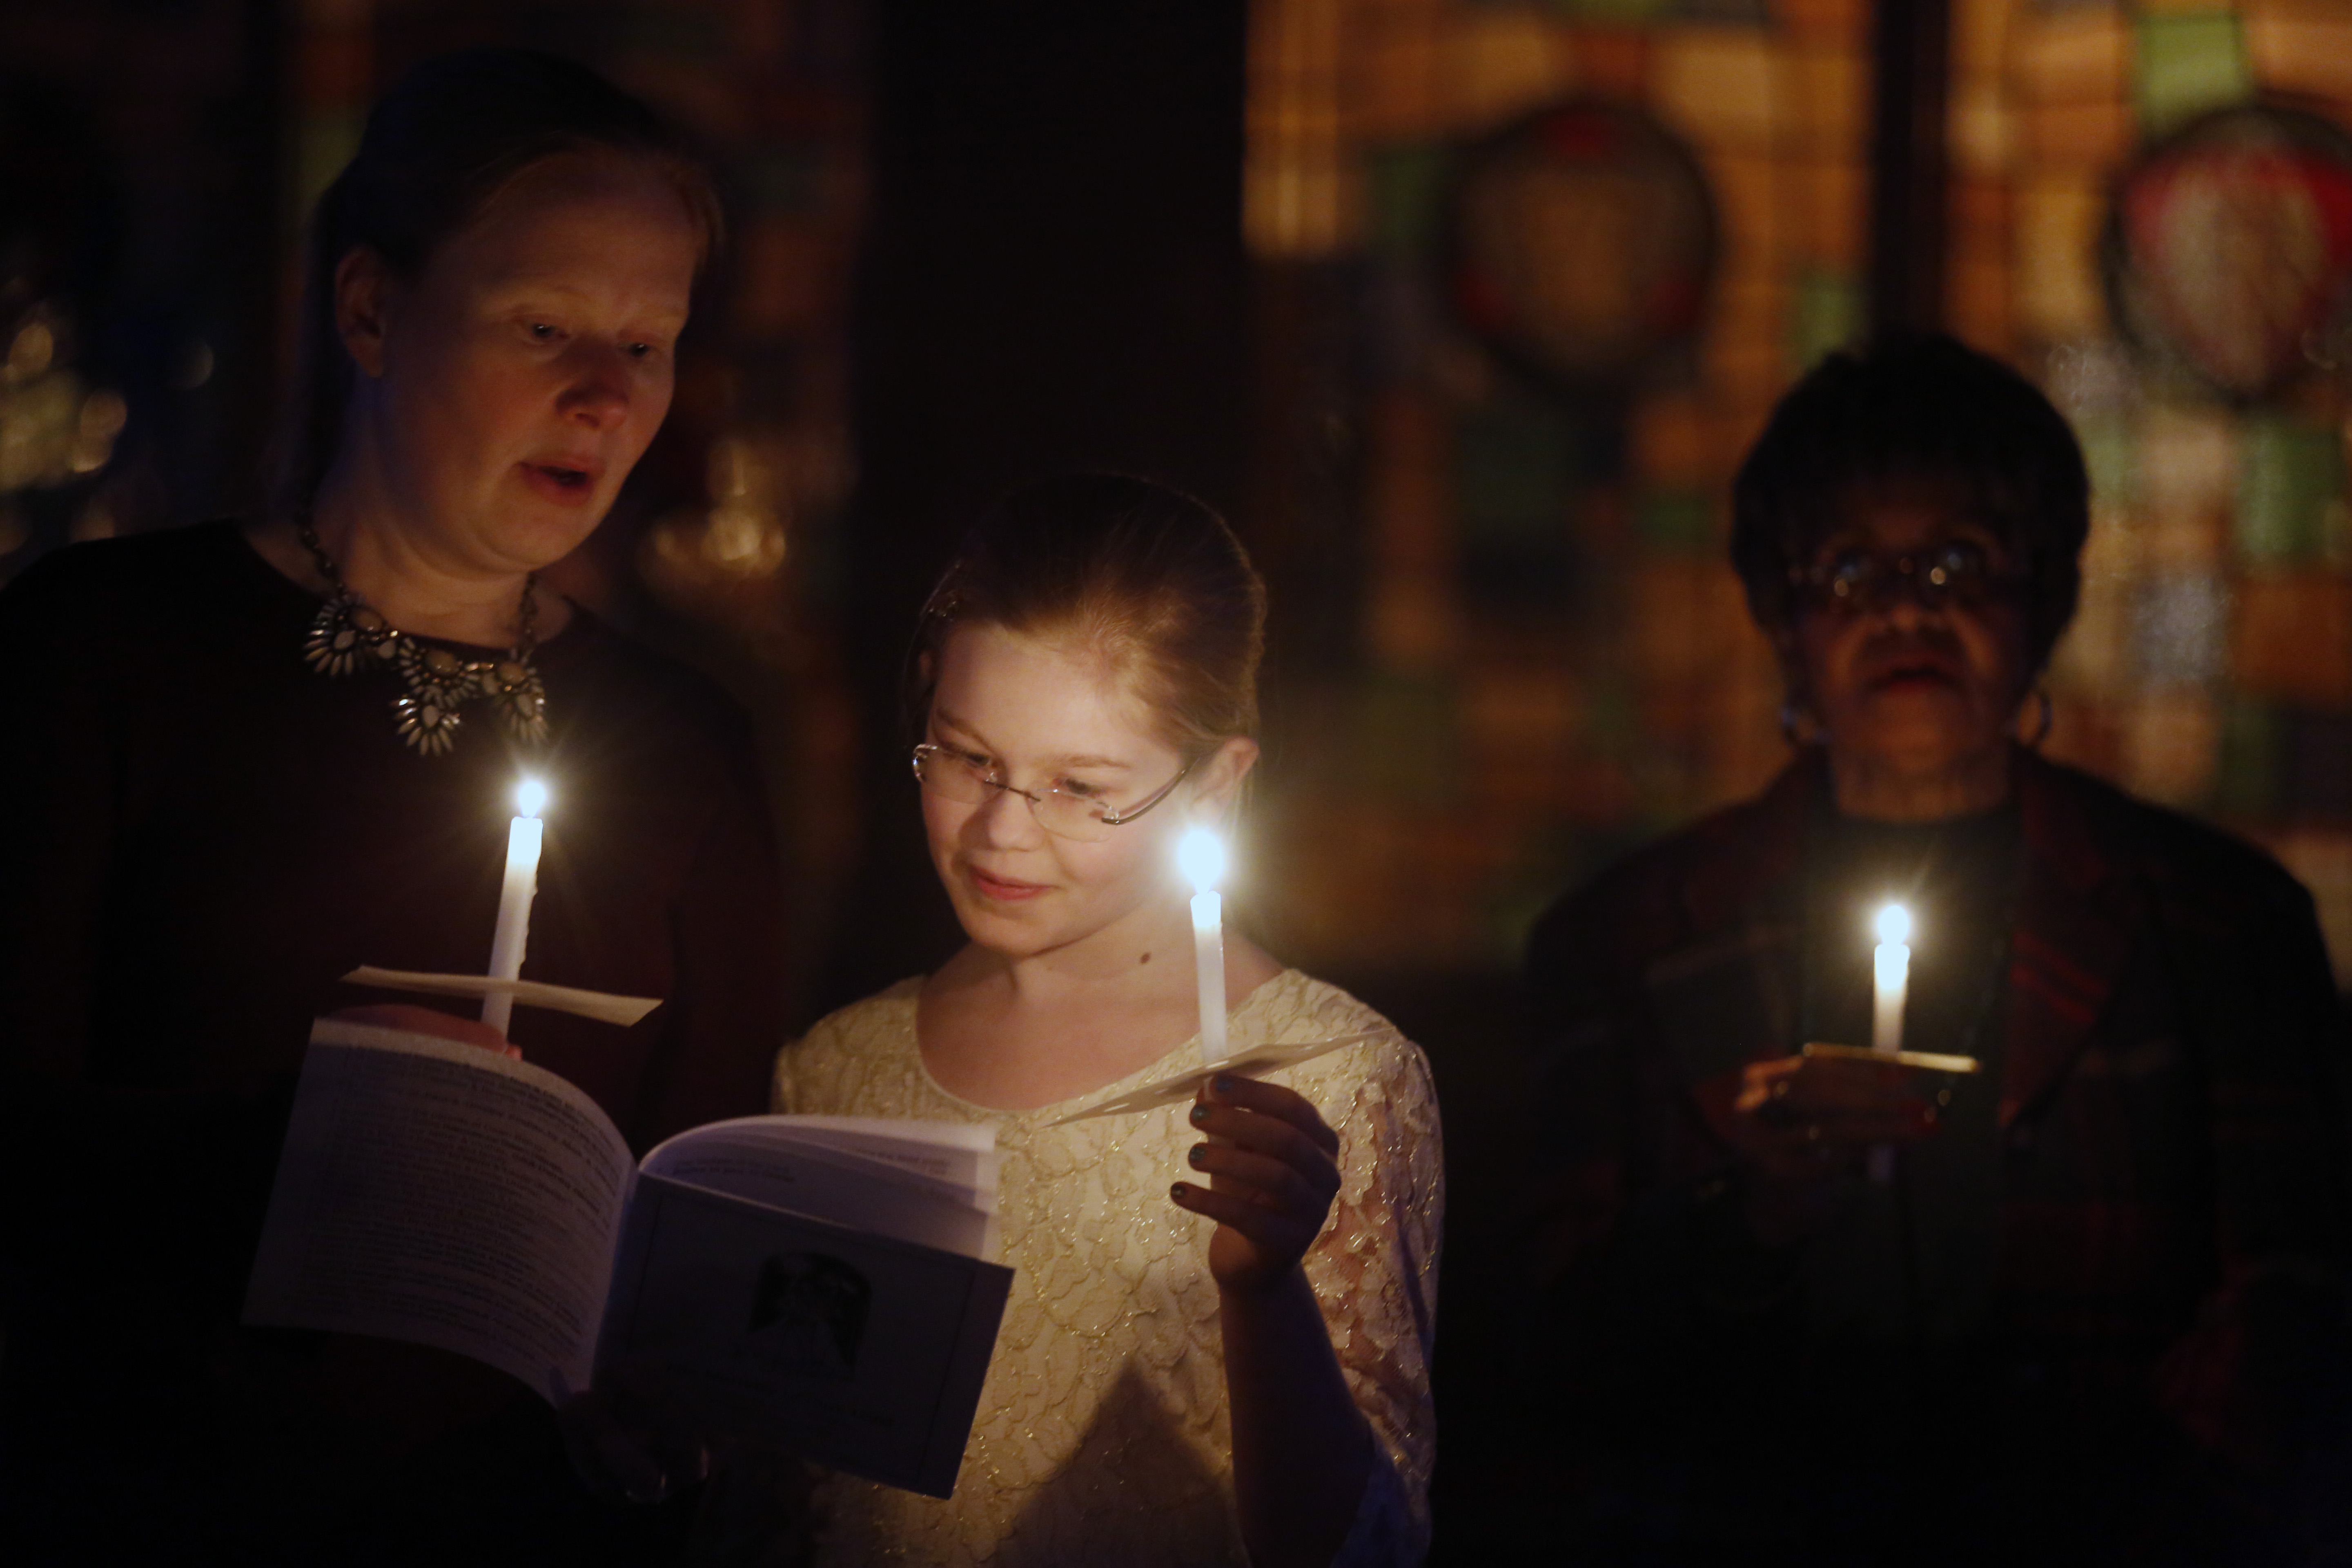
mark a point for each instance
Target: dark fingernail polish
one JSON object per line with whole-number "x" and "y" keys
{"x": 1198, "y": 1155}
{"x": 1223, "y": 1083}
{"x": 1200, "y": 1114}
{"x": 1177, "y": 1192}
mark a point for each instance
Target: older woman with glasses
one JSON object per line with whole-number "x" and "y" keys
{"x": 1852, "y": 1307}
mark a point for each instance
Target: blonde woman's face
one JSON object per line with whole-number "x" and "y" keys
{"x": 518, "y": 378}
{"x": 1043, "y": 714}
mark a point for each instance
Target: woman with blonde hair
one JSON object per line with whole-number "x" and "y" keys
{"x": 249, "y": 757}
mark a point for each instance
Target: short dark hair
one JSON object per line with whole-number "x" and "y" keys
{"x": 444, "y": 142}
{"x": 1148, "y": 575}
{"x": 1920, "y": 407}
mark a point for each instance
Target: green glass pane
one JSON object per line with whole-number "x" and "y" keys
{"x": 1515, "y": 470}
{"x": 1676, "y": 520}
{"x": 1408, "y": 738}
{"x": 1519, "y": 469}
{"x": 1826, "y": 314}
{"x": 1407, "y": 190}
{"x": 1722, "y": 13}
{"x": 325, "y": 140}
{"x": 2290, "y": 491}
{"x": 2246, "y": 783}
{"x": 2110, "y": 452}
{"x": 1613, "y": 10}
{"x": 781, "y": 177}
{"x": 1612, "y": 715}
{"x": 2189, "y": 62}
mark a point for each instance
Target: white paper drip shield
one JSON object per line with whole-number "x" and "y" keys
{"x": 598, "y": 1005}
{"x": 1250, "y": 1061}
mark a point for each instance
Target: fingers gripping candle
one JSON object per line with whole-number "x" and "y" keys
{"x": 1892, "y": 963}
{"x": 513, "y": 929}
{"x": 1201, "y": 855}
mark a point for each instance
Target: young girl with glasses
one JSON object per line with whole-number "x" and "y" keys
{"x": 1217, "y": 1345}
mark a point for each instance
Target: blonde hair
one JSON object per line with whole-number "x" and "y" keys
{"x": 446, "y": 141}
{"x": 1147, "y": 576}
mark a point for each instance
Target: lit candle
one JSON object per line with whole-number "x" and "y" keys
{"x": 513, "y": 931}
{"x": 1201, "y": 856}
{"x": 1893, "y": 966}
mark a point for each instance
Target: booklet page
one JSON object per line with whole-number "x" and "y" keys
{"x": 752, "y": 1158}
{"x": 963, "y": 1154}
{"x": 441, "y": 1194}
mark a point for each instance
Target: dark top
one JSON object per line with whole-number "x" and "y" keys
{"x": 2166, "y": 1298}
{"x": 198, "y": 835}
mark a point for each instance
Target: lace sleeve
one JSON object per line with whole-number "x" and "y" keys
{"x": 1374, "y": 1270}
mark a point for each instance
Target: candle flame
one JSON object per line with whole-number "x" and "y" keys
{"x": 530, "y": 797}
{"x": 1200, "y": 855}
{"x": 1894, "y": 925}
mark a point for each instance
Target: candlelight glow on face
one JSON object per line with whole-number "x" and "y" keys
{"x": 1200, "y": 855}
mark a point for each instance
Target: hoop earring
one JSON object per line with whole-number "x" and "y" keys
{"x": 2047, "y": 716}
{"x": 1798, "y": 727}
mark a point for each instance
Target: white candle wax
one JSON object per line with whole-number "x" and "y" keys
{"x": 1201, "y": 855}
{"x": 512, "y": 933}
{"x": 1892, "y": 958}
{"x": 1892, "y": 964}
{"x": 1209, "y": 958}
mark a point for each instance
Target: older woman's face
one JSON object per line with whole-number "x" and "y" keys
{"x": 1910, "y": 687}
{"x": 518, "y": 378}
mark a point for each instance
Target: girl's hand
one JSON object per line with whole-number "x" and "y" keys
{"x": 1273, "y": 1168}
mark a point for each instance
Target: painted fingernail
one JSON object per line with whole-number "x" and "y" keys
{"x": 1179, "y": 1192}
{"x": 1223, "y": 1083}
{"x": 1198, "y": 1155}
{"x": 1200, "y": 1114}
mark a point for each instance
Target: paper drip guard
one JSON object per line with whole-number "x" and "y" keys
{"x": 1249, "y": 1061}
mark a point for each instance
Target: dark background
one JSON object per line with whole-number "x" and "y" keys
{"x": 1048, "y": 274}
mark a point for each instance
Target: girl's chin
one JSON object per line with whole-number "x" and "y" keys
{"x": 993, "y": 923}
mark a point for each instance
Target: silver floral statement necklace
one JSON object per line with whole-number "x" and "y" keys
{"x": 347, "y": 634}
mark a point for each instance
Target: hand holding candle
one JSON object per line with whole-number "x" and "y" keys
{"x": 1201, "y": 855}
{"x": 513, "y": 931}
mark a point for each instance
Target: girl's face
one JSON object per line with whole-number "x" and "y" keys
{"x": 1044, "y": 713}
{"x": 512, "y": 384}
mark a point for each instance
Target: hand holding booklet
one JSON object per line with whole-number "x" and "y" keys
{"x": 822, "y": 1282}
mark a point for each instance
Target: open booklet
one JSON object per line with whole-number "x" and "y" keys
{"x": 821, "y": 1282}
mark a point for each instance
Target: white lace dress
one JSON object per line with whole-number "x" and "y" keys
{"x": 1102, "y": 1436}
